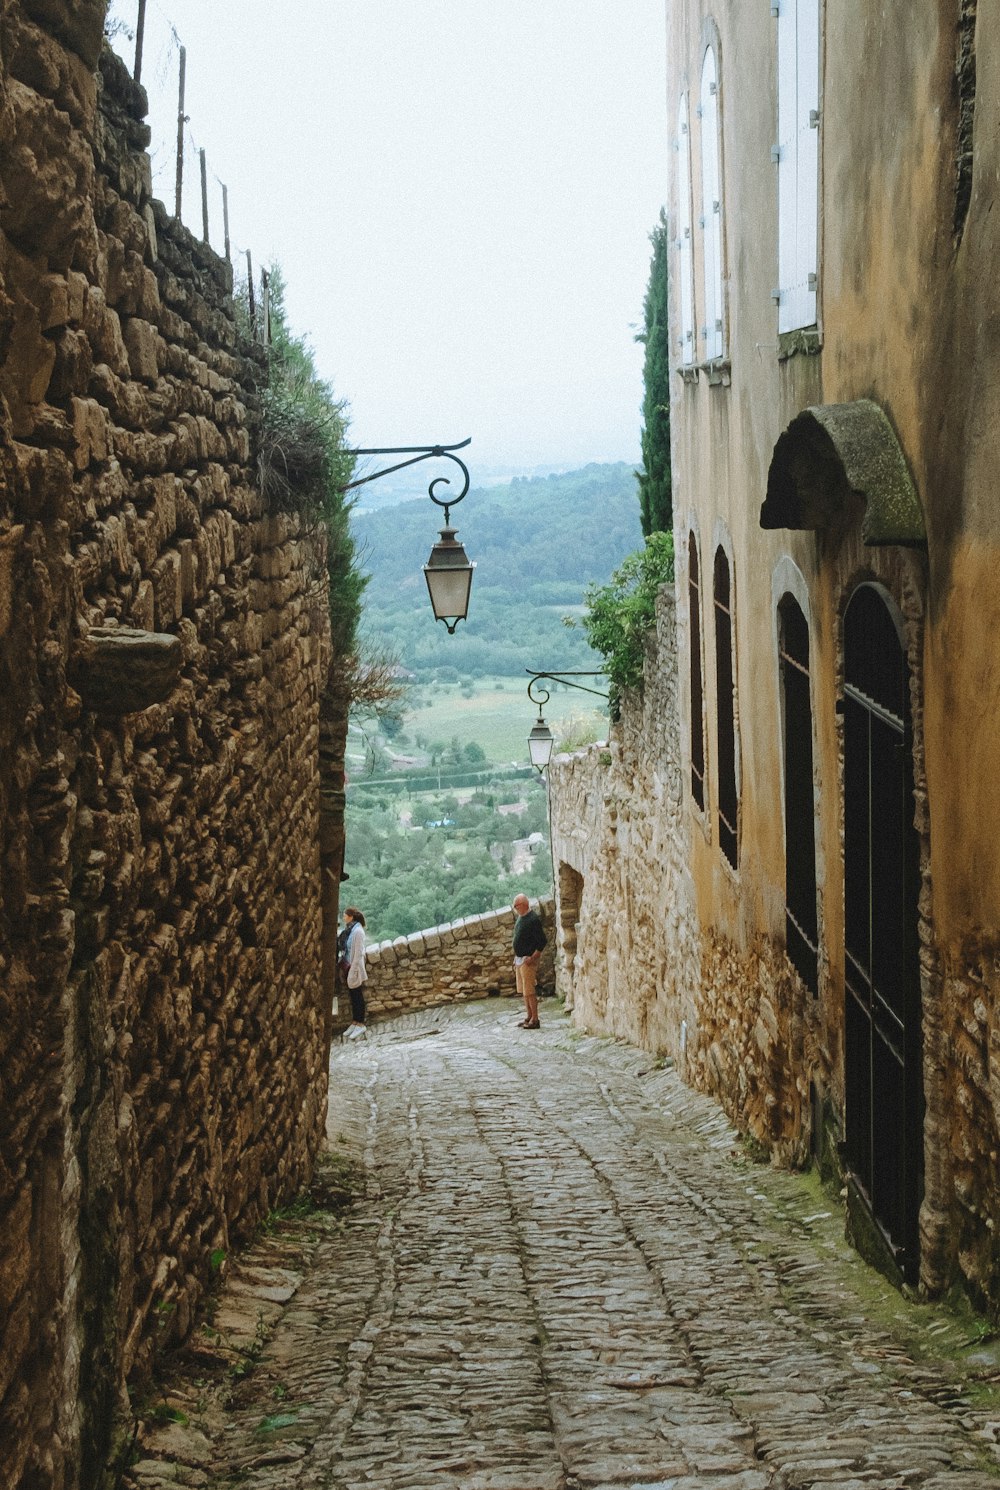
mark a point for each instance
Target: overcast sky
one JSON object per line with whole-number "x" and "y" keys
{"x": 459, "y": 192}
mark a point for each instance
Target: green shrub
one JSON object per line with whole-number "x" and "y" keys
{"x": 620, "y": 614}
{"x": 305, "y": 463}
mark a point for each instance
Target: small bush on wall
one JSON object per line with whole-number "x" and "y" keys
{"x": 305, "y": 463}
{"x": 620, "y": 614}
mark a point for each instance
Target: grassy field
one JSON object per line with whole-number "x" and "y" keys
{"x": 498, "y": 716}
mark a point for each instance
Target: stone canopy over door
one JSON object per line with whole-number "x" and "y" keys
{"x": 884, "y": 1100}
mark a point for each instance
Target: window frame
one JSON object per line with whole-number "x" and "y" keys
{"x": 726, "y": 736}
{"x": 798, "y": 758}
{"x": 797, "y": 154}
{"x": 696, "y": 676}
{"x": 685, "y": 237}
{"x": 713, "y": 332}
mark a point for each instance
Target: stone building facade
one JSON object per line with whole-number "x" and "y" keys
{"x": 810, "y": 917}
{"x": 163, "y": 1030}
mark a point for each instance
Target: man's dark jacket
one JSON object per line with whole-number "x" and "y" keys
{"x": 528, "y": 934}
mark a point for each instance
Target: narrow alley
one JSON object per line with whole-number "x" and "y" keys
{"x": 562, "y": 1270}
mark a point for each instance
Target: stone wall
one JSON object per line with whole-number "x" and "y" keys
{"x": 163, "y": 1031}
{"x": 466, "y": 959}
{"x": 635, "y": 961}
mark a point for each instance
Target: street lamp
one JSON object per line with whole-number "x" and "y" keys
{"x": 448, "y": 571}
{"x": 540, "y": 740}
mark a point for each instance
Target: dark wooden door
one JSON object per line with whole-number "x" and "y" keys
{"x": 883, "y": 1050}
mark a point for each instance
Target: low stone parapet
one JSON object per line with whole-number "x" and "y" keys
{"x": 466, "y": 959}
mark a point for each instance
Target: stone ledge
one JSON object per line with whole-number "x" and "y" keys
{"x": 465, "y": 959}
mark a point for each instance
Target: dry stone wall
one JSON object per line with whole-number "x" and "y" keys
{"x": 163, "y": 1030}
{"x": 635, "y": 961}
{"x": 466, "y": 959}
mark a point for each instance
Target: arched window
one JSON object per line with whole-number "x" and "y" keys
{"x": 725, "y": 688}
{"x": 685, "y": 245}
{"x": 713, "y": 331}
{"x": 798, "y": 162}
{"x": 697, "y": 689}
{"x": 801, "y": 930}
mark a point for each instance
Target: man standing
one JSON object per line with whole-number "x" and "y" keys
{"x": 529, "y": 940}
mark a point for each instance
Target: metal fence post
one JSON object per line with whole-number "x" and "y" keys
{"x": 140, "y": 29}
{"x": 204, "y": 196}
{"x": 180, "y": 137}
{"x": 250, "y": 297}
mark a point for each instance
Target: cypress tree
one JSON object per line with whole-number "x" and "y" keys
{"x": 654, "y": 479}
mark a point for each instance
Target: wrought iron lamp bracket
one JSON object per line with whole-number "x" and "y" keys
{"x": 418, "y": 453}
{"x": 540, "y": 695}
{"x": 540, "y": 740}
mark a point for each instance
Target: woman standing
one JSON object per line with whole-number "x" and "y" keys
{"x": 352, "y": 962}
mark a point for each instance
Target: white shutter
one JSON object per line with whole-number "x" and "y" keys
{"x": 787, "y": 144}
{"x": 807, "y": 160}
{"x": 711, "y": 206}
{"x": 685, "y": 245}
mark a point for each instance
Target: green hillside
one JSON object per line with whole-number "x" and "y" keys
{"x": 536, "y": 543}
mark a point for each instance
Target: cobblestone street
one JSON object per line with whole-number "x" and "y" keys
{"x": 562, "y": 1271}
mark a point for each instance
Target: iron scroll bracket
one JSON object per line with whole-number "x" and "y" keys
{"x": 540, "y": 695}
{"x": 418, "y": 453}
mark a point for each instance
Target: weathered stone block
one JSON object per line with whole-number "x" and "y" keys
{"x": 141, "y": 346}
{"x": 90, "y": 432}
{"x": 120, "y": 670}
{"x": 47, "y": 175}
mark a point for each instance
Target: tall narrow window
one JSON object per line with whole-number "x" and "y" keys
{"x": 801, "y": 929}
{"x": 685, "y": 267}
{"x": 725, "y": 688}
{"x": 697, "y": 690}
{"x": 713, "y": 334}
{"x": 798, "y": 162}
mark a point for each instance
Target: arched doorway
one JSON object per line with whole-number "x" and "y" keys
{"x": 570, "y": 889}
{"x": 884, "y": 1101}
